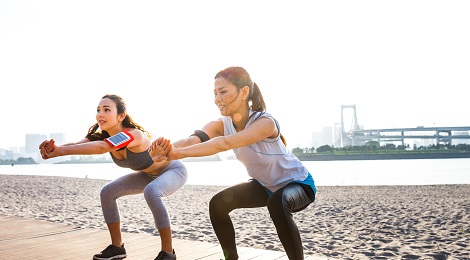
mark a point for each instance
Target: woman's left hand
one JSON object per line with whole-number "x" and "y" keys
{"x": 160, "y": 149}
{"x": 47, "y": 149}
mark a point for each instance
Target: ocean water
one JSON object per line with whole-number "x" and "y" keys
{"x": 325, "y": 173}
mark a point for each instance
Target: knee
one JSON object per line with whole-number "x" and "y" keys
{"x": 218, "y": 205}
{"x": 107, "y": 192}
{"x": 152, "y": 193}
{"x": 213, "y": 204}
{"x": 279, "y": 205}
{"x": 275, "y": 205}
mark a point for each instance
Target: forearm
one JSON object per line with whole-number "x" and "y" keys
{"x": 211, "y": 147}
{"x": 186, "y": 142}
{"x": 97, "y": 147}
{"x": 79, "y": 142}
{"x": 68, "y": 144}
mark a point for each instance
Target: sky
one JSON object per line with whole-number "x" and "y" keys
{"x": 402, "y": 63}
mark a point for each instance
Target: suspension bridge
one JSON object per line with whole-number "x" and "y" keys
{"x": 356, "y": 136}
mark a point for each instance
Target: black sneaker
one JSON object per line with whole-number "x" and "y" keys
{"x": 165, "y": 256}
{"x": 111, "y": 252}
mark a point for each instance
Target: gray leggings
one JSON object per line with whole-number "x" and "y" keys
{"x": 172, "y": 178}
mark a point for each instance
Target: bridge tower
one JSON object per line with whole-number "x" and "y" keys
{"x": 345, "y": 136}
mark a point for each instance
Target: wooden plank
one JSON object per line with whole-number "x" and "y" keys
{"x": 199, "y": 250}
{"x": 22, "y": 238}
{"x": 19, "y": 227}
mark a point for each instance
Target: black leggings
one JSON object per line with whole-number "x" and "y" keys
{"x": 291, "y": 198}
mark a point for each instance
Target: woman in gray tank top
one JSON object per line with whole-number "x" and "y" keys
{"x": 127, "y": 142}
{"x": 279, "y": 180}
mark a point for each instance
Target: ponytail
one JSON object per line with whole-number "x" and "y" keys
{"x": 257, "y": 104}
{"x": 283, "y": 140}
{"x": 257, "y": 101}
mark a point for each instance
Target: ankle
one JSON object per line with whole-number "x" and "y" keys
{"x": 168, "y": 250}
{"x": 171, "y": 252}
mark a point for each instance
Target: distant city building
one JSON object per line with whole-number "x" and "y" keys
{"x": 9, "y": 155}
{"x": 59, "y": 138}
{"x": 2, "y": 154}
{"x": 324, "y": 137}
{"x": 15, "y": 149}
{"x": 32, "y": 145}
{"x": 337, "y": 135}
{"x": 33, "y": 141}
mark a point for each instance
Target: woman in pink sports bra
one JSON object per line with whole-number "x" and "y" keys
{"x": 154, "y": 179}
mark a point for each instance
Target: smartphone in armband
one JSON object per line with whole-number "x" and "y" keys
{"x": 120, "y": 140}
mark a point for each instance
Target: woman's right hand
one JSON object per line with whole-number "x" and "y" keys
{"x": 159, "y": 149}
{"x": 47, "y": 149}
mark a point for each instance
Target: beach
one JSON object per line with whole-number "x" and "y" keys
{"x": 345, "y": 222}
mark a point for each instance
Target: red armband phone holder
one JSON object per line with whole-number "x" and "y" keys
{"x": 120, "y": 140}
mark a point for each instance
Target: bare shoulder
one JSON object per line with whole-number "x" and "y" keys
{"x": 214, "y": 128}
{"x": 266, "y": 121}
{"x": 266, "y": 117}
{"x": 140, "y": 139}
{"x": 265, "y": 126}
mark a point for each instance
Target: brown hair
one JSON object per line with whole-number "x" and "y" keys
{"x": 128, "y": 122}
{"x": 240, "y": 78}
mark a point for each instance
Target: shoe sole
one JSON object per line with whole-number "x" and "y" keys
{"x": 111, "y": 258}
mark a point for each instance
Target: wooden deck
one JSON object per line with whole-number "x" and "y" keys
{"x": 22, "y": 238}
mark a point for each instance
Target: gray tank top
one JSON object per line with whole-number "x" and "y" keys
{"x": 268, "y": 161}
{"x": 134, "y": 161}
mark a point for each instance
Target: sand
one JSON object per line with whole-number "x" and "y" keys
{"x": 347, "y": 222}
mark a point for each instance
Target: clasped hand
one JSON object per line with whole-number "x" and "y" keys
{"x": 160, "y": 149}
{"x": 47, "y": 149}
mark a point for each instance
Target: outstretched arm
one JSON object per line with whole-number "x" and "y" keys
{"x": 261, "y": 129}
{"x": 50, "y": 150}
{"x": 49, "y": 145}
{"x": 161, "y": 146}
